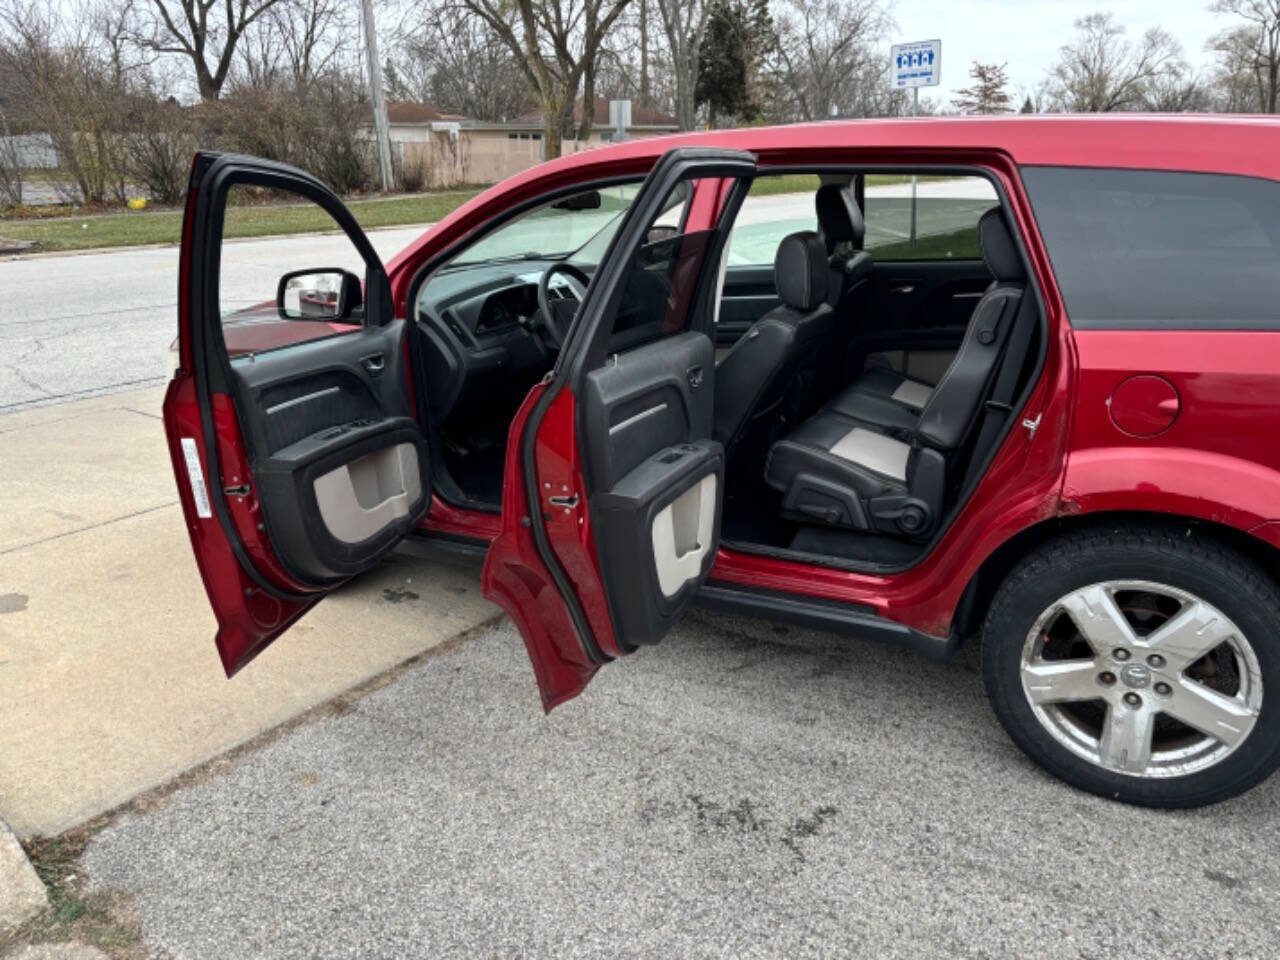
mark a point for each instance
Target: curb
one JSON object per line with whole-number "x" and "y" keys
{"x": 22, "y": 893}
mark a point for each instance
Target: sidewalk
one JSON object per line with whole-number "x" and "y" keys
{"x": 109, "y": 680}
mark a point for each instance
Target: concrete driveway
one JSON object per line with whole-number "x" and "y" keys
{"x": 742, "y": 790}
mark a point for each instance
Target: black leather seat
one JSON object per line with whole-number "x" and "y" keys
{"x": 841, "y": 225}
{"x": 774, "y": 360}
{"x": 844, "y": 468}
{"x": 891, "y": 399}
{"x": 842, "y": 228}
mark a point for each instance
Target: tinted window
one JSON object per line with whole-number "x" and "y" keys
{"x": 946, "y": 213}
{"x": 1142, "y": 249}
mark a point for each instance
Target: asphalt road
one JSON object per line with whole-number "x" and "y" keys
{"x": 79, "y": 325}
{"x": 739, "y": 791}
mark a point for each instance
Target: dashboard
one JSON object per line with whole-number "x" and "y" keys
{"x": 475, "y": 326}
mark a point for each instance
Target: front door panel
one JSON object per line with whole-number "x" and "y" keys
{"x": 290, "y": 421}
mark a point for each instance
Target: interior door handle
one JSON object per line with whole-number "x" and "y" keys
{"x": 374, "y": 363}
{"x": 903, "y": 289}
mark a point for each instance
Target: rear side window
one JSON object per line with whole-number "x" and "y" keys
{"x": 1144, "y": 249}
{"x": 934, "y": 218}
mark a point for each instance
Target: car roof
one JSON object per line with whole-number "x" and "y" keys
{"x": 1245, "y": 145}
{"x": 1196, "y": 142}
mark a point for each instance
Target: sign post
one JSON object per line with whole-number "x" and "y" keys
{"x": 916, "y": 65}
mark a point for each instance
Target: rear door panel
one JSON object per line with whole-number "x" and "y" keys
{"x": 613, "y": 485}
{"x": 659, "y": 480}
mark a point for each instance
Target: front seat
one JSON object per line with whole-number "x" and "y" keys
{"x": 887, "y": 398}
{"x": 844, "y": 469}
{"x": 774, "y": 361}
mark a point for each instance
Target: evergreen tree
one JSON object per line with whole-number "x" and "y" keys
{"x": 729, "y": 59}
{"x": 988, "y": 93}
{"x": 1027, "y": 105}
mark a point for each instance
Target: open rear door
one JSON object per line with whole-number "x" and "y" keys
{"x": 613, "y": 485}
{"x": 290, "y": 421}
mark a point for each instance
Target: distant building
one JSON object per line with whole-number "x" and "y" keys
{"x": 433, "y": 148}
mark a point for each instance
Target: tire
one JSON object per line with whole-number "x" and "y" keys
{"x": 1085, "y": 701}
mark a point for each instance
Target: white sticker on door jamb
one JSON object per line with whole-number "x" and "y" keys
{"x": 199, "y": 493}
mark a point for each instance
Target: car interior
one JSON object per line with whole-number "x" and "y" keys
{"x": 872, "y": 332}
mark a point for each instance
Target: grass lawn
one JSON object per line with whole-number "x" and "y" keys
{"x": 129, "y": 229}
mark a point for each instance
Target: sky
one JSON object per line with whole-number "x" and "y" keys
{"x": 1026, "y": 34}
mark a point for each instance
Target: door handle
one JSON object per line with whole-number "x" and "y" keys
{"x": 374, "y": 363}
{"x": 903, "y": 289}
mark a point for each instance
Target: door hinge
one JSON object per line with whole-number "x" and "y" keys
{"x": 1032, "y": 425}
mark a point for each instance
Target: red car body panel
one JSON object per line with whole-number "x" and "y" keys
{"x": 1215, "y": 461}
{"x": 516, "y": 579}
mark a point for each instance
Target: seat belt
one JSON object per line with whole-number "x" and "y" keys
{"x": 1000, "y": 404}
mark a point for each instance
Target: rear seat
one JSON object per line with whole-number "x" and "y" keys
{"x": 845, "y": 466}
{"x": 884, "y": 397}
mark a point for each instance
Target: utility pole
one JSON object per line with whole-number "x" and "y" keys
{"x": 380, "y": 131}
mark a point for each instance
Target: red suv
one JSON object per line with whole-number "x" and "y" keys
{"x": 925, "y": 381}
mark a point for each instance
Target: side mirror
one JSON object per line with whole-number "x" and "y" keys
{"x": 324, "y": 295}
{"x": 590, "y": 200}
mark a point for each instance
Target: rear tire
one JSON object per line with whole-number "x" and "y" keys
{"x": 1141, "y": 664}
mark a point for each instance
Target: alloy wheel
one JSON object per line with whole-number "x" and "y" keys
{"x": 1141, "y": 678}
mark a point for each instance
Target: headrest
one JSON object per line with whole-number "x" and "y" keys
{"x": 800, "y": 270}
{"x": 839, "y": 218}
{"x": 998, "y": 251}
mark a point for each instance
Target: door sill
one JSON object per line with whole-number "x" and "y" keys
{"x": 848, "y": 619}
{"x": 460, "y": 551}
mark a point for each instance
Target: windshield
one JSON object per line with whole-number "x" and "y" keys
{"x": 557, "y": 230}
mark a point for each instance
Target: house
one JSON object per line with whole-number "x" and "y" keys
{"x": 433, "y": 148}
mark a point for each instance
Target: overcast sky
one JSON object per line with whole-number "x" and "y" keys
{"x": 1026, "y": 34}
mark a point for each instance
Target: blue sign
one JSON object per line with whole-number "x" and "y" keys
{"x": 917, "y": 64}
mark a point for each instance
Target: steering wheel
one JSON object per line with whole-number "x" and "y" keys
{"x": 551, "y": 324}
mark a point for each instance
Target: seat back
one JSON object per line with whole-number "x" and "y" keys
{"x": 843, "y": 230}
{"x": 773, "y": 361}
{"x": 957, "y": 400}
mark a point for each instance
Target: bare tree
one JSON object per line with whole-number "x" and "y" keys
{"x": 685, "y": 23}
{"x": 1249, "y": 54}
{"x": 450, "y": 56}
{"x": 989, "y": 93}
{"x": 1100, "y": 71}
{"x": 206, "y": 32}
{"x": 69, "y": 85}
{"x": 557, "y": 44}
{"x": 830, "y": 57}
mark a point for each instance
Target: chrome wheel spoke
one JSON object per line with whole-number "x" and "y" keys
{"x": 1221, "y": 717}
{"x": 1125, "y": 743}
{"x": 1059, "y": 681}
{"x": 1098, "y": 619}
{"x": 1191, "y": 633}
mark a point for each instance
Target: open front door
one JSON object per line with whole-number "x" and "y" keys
{"x": 613, "y": 485}
{"x": 290, "y": 420}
